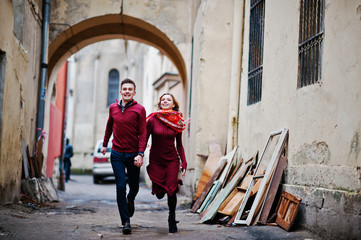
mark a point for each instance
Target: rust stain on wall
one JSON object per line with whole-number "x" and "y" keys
{"x": 355, "y": 146}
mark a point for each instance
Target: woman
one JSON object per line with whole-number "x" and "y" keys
{"x": 166, "y": 126}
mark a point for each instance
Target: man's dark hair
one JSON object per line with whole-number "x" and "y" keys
{"x": 128, "y": 80}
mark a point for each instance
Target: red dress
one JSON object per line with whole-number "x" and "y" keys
{"x": 164, "y": 159}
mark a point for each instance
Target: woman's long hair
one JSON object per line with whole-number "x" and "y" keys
{"x": 176, "y": 104}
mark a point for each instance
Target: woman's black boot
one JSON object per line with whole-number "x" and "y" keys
{"x": 172, "y": 223}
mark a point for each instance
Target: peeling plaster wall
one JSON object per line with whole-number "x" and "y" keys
{"x": 20, "y": 43}
{"x": 211, "y": 79}
{"x": 311, "y": 167}
{"x": 324, "y": 119}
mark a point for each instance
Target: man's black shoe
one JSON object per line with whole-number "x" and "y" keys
{"x": 127, "y": 228}
{"x": 131, "y": 208}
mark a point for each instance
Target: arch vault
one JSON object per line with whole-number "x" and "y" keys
{"x": 109, "y": 27}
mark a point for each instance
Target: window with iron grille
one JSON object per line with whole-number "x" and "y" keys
{"x": 113, "y": 86}
{"x": 310, "y": 42}
{"x": 255, "y": 65}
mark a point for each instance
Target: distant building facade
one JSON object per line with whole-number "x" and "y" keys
{"x": 94, "y": 77}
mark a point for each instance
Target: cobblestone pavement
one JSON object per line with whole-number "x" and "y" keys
{"x": 88, "y": 211}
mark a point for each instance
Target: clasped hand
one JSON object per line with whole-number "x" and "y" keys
{"x": 183, "y": 171}
{"x": 138, "y": 161}
{"x": 103, "y": 150}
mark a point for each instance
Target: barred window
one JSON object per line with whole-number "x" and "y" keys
{"x": 310, "y": 42}
{"x": 255, "y": 65}
{"x": 113, "y": 86}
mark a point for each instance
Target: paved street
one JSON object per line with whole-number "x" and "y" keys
{"x": 88, "y": 211}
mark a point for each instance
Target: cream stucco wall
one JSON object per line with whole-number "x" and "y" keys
{"x": 323, "y": 119}
{"x": 20, "y": 90}
{"x": 211, "y": 79}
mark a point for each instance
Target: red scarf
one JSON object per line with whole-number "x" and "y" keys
{"x": 172, "y": 119}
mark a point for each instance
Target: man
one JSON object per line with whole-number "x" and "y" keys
{"x": 127, "y": 124}
{"x": 67, "y": 163}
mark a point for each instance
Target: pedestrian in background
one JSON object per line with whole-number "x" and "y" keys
{"x": 67, "y": 162}
{"x": 126, "y": 122}
{"x": 166, "y": 126}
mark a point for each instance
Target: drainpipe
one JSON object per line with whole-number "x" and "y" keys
{"x": 234, "y": 94}
{"x": 43, "y": 69}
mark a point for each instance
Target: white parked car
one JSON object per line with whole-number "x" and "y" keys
{"x": 101, "y": 163}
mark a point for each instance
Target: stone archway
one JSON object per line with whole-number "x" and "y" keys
{"x": 105, "y": 27}
{"x": 109, "y": 27}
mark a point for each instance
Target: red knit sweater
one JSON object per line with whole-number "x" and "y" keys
{"x": 128, "y": 128}
{"x": 165, "y": 155}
